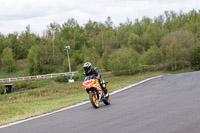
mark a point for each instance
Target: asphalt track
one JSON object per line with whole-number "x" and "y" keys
{"x": 168, "y": 104}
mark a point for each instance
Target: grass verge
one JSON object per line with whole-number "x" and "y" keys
{"x": 33, "y": 102}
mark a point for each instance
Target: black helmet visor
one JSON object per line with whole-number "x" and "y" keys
{"x": 86, "y": 69}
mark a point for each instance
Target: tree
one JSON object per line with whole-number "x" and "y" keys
{"x": 173, "y": 55}
{"x": 151, "y": 36}
{"x": 137, "y": 28}
{"x": 14, "y": 43}
{"x": 123, "y": 32}
{"x": 177, "y": 47}
{"x": 153, "y": 56}
{"x": 65, "y": 65}
{"x": 105, "y": 58}
{"x": 76, "y": 59}
{"x": 196, "y": 57}
{"x": 124, "y": 61}
{"x": 3, "y": 43}
{"x": 8, "y": 60}
{"x": 26, "y": 40}
{"x": 134, "y": 41}
{"x": 52, "y": 31}
{"x": 35, "y": 66}
{"x": 109, "y": 23}
{"x": 90, "y": 55}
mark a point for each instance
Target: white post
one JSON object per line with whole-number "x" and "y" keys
{"x": 70, "y": 80}
{"x": 69, "y": 64}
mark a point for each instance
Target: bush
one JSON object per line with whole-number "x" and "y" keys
{"x": 124, "y": 61}
{"x": 105, "y": 58}
{"x": 80, "y": 73}
{"x": 35, "y": 66}
{"x": 176, "y": 56}
{"x": 39, "y": 83}
{"x": 8, "y": 60}
{"x": 147, "y": 68}
{"x": 177, "y": 48}
{"x": 20, "y": 85}
{"x": 153, "y": 56}
{"x": 1, "y": 88}
{"x": 196, "y": 58}
{"x": 76, "y": 77}
{"x": 47, "y": 69}
{"x": 61, "y": 78}
{"x": 65, "y": 65}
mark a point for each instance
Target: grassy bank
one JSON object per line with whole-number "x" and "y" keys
{"x": 33, "y": 102}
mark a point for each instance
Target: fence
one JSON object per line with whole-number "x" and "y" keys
{"x": 37, "y": 77}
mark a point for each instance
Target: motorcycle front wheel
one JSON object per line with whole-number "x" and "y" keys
{"x": 94, "y": 99}
{"x": 107, "y": 101}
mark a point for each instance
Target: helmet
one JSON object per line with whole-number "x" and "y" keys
{"x": 87, "y": 67}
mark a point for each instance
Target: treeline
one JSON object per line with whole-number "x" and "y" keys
{"x": 167, "y": 42}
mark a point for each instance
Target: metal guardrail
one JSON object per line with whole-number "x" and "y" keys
{"x": 37, "y": 76}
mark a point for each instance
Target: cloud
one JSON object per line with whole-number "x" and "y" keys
{"x": 15, "y": 15}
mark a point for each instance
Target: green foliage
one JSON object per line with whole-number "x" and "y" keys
{"x": 20, "y": 85}
{"x": 196, "y": 57}
{"x": 75, "y": 60}
{"x": 81, "y": 73}
{"x": 76, "y": 77}
{"x": 1, "y": 88}
{"x": 65, "y": 65}
{"x": 151, "y": 36}
{"x": 26, "y": 40}
{"x": 90, "y": 55}
{"x": 14, "y": 43}
{"x": 153, "y": 56}
{"x": 3, "y": 43}
{"x": 35, "y": 66}
{"x": 61, "y": 78}
{"x": 24, "y": 85}
{"x": 40, "y": 83}
{"x": 105, "y": 58}
{"x": 135, "y": 41}
{"x": 8, "y": 60}
{"x": 124, "y": 61}
{"x": 178, "y": 47}
{"x": 48, "y": 69}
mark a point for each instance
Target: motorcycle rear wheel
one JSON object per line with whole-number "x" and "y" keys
{"x": 93, "y": 99}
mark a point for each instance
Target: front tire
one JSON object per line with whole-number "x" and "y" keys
{"x": 94, "y": 99}
{"x": 107, "y": 101}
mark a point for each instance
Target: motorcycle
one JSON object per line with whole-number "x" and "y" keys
{"x": 96, "y": 94}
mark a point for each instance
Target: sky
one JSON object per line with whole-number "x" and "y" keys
{"x": 15, "y": 15}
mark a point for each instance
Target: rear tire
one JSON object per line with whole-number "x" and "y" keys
{"x": 94, "y": 99}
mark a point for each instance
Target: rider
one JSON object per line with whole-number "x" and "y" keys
{"x": 90, "y": 70}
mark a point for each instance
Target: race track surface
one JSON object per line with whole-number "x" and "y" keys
{"x": 168, "y": 104}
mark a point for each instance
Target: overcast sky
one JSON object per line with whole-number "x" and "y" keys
{"x": 15, "y": 15}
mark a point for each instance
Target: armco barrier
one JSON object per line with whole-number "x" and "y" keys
{"x": 37, "y": 76}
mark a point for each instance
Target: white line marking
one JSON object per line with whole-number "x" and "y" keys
{"x": 32, "y": 118}
{"x": 125, "y": 88}
{"x": 79, "y": 104}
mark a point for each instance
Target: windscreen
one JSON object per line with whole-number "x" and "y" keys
{"x": 89, "y": 77}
